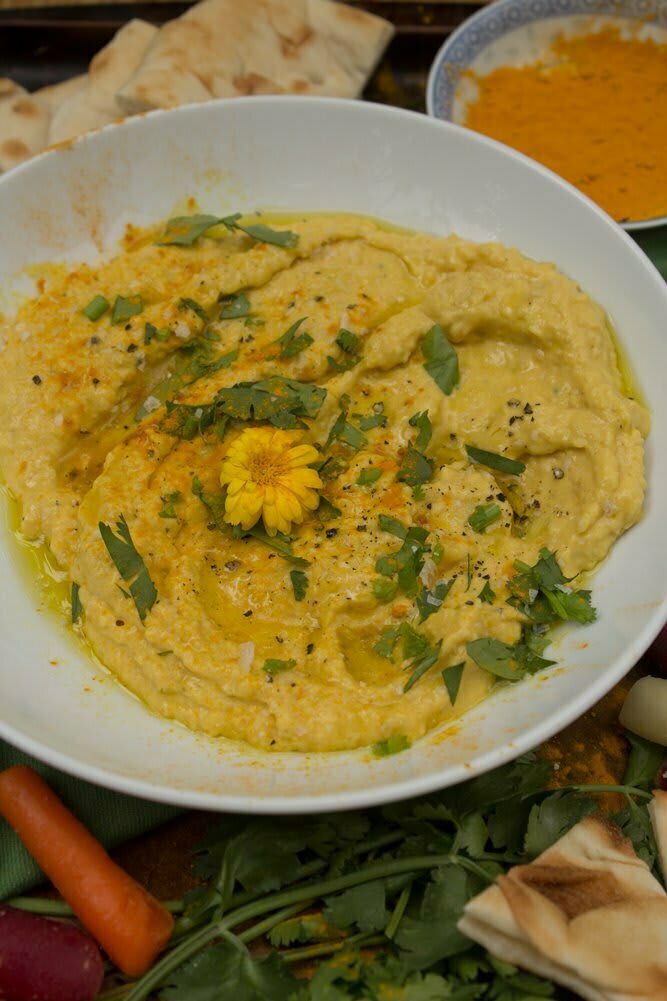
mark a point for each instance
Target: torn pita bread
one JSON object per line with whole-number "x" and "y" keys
{"x": 24, "y": 125}
{"x": 56, "y": 93}
{"x": 93, "y": 104}
{"x": 586, "y": 914}
{"x": 223, "y": 48}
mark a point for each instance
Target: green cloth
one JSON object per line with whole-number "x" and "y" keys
{"x": 110, "y": 816}
{"x": 113, "y": 817}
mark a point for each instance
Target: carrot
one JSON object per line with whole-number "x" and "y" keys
{"x": 129, "y": 924}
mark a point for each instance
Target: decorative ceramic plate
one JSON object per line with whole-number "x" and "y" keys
{"x": 512, "y": 32}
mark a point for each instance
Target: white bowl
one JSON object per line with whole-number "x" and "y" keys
{"x": 317, "y": 154}
{"x": 513, "y": 32}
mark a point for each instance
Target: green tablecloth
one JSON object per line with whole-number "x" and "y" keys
{"x": 115, "y": 818}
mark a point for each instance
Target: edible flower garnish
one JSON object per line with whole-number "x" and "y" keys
{"x": 267, "y": 474}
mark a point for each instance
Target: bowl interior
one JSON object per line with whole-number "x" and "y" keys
{"x": 514, "y": 32}
{"x": 413, "y": 171}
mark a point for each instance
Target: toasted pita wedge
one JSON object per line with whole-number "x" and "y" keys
{"x": 23, "y": 125}
{"x": 222, "y": 48}
{"x": 56, "y": 93}
{"x": 587, "y": 914}
{"x": 93, "y": 104}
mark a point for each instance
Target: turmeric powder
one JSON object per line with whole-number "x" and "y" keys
{"x": 594, "y": 110}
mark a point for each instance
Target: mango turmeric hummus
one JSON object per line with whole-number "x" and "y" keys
{"x": 318, "y": 484}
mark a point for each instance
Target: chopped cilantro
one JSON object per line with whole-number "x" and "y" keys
{"x": 130, "y": 565}
{"x": 332, "y": 467}
{"x": 494, "y": 461}
{"x": 291, "y": 343}
{"x": 368, "y": 475}
{"x": 273, "y": 666}
{"x": 504, "y": 660}
{"x": 542, "y": 594}
{"x": 487, "y": 594}
{"x": 348, "y": 342}
{"x": 415, "y": 468}
{"x": 76, "y": 603}
{"x": 438, "y": 553}
{"x": 169, "y": 501}
{"x": 299, "y": 584}
{"x": 423, "y": 423}
{"x": 125, "y": 308}
{"x": 264, "y": 234}
{"x": 234, "y": 306}
{"x": 407, "y": 562}
{"x": 468, "y": 572}
{"x": 442, "y": 362}
{"x": 342, "y": 430}
{"x": 326, "y": 510}
{"x": 392, "y": 525}
{"x": 184, "y": 231}
{"x": 483, "y": 516}
{"x": 452, "y": 679}
{"x": 194, "y": 307}
{"x": 422, "y": 664}
{"x": 151, "y": 332}
{"x": 429, "y": 602}
{"x": 96, "y": 308}
{"x": 416, "y": 648}
{"x": 384, "y": 589}
{"x": 392, "y": 745}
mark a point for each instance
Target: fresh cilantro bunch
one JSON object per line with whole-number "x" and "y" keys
{"x": 366, "y": 904}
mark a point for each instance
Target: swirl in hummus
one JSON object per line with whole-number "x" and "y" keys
{"x": 473, "y": 446}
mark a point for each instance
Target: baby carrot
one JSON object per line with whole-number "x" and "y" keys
{"x": 129, "y": 924}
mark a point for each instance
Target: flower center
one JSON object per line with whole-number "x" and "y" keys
{"x": 265, "y": 468}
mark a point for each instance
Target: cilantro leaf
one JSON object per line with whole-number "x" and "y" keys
{"x": 505, "y": 661}
{"x": 77, "y": 607}
{"x": 386, "y": 644}
{"x": 483, "y": 516}
{"x": 442, "y": 362}
{"x": 432, "y": 935}
{"x": 184, "y": 230}
{"x": 540, "y": 592}
{"x": 347, "y": 341}
{"x": 392, "y": 745}
{"x": 326, "y": 510}
{"x": 422, "y": 664}
{"x": 234, "y": 306}
{"x": 96, "y": 308}
{"x": 291, "y": 343}
{"x": 452, "y": 679}
{"x": 423, "y": 423}
{"x": 407, "y": 562}
{"x": 264, "y": 234}
{"x": 494, "y": 461}
{"x": 194, "y": 307}
{"x": 125, "y": 308}
{"x": 342, "y": 430}
{"x": 130, "y": 565}
{"x": 223, "y": 971}
{"x": 299, "y": 584}
{"x": 363, "y": 906}
{"x": 392, "y": 525}
{"x": 168, "y": 510}
{"x": 487, "y": 594}
{"x": 151, "y": 332}
{"x": 429, "y": 602}
{"x": 385, "y": 589}
{"x": 552, "y": 818}
{"x": 415, "y": 468}
{"x": 635, "y": 823}
{"x": 368, "y": 476}
{"x": 644, "y": 763}
{"x": 274, "y": 666}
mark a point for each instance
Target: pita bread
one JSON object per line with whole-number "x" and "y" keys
{"x": 222, "y": 48}
{"x": 56, "y": 93}
{"x": 24, "y": 125}
{"x": 587, "y": 914}
{"x": 93, "y": 104}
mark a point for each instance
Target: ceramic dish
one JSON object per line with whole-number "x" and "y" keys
{"x": 416, "y": 172}
{"x": 512, "y": 32}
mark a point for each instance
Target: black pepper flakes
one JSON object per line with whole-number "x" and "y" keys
{"x": 131, "y": 348}
{"x": 558, "y": 473}
{"x": 37, "y": 380}
{"x": 246, "y": 615}
{"x": 310, "y": 648}
{"x": 331, "y": 533}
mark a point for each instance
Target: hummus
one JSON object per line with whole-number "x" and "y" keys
{"x": 469, "y": 414}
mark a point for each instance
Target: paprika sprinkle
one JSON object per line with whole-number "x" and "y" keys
{"x": 594, "y": 110}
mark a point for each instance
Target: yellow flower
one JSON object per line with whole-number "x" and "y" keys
{"x": 267, "y": 476}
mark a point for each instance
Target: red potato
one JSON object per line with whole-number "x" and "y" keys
{"x": 42, "y": 959}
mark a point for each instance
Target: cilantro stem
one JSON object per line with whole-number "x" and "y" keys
{"x": 274, "y": 919}
{"x": 626, "y": 790}
{"x": 399, "y": 911}
{"x": 42, "y": 905}
{"x": 326, "y": 948}
{"x": 286, "y": 898}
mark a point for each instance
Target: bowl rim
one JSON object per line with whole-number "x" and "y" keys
{"x": 387, "y": 790}
{"x": 479, "y": 17}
